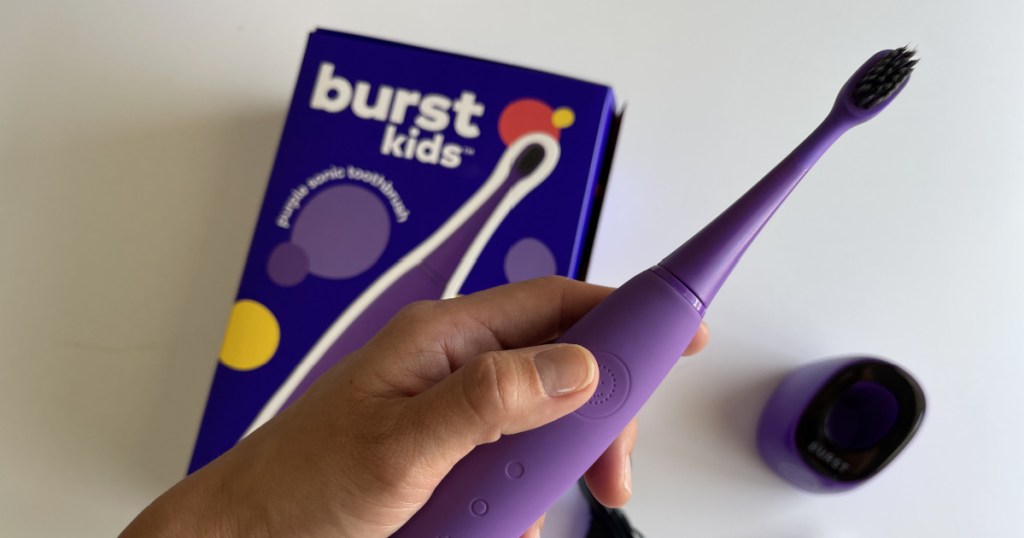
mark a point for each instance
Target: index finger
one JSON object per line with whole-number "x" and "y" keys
{"x": 517, "y": 315}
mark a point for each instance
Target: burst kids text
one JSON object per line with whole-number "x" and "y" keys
{"x": 433, "y": 113}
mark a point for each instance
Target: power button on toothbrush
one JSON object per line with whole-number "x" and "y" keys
{"x": 612, "y": 387}
{"x": 479, "y": 507}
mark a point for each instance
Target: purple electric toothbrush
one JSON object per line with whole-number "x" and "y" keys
{"x": 425, "y": 272}
{"x": 637, "y": 334}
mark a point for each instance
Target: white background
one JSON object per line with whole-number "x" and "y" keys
{"x": 136, "y": 139}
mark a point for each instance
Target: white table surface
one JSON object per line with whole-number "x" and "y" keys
{"x": 136, "y": 139}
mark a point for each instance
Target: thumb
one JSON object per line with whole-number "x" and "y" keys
{"x": 505, "y": 392}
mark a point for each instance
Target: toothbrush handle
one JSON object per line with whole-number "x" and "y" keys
{"x": 497, "y": 491}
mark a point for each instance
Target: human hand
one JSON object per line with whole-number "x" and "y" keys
{"x": 364, "y": 448}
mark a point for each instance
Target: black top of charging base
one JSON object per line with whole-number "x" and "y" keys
{"x": 859, "y": 420}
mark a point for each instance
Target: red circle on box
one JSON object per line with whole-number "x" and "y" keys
{"x": 525, "y": 116}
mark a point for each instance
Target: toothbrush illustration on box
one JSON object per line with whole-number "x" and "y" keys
{"x": 637, "y": 334}
{"x": 435, "y": 269}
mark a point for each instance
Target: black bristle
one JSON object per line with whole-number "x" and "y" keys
{"x": 884, "y": 78}
{"x": 529, "y": 159}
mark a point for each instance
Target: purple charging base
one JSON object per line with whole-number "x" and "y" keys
{"x": 832, "y": 425}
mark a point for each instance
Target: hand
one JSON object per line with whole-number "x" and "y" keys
{"x": 363, "y": 449}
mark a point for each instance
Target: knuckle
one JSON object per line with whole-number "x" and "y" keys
{"x": 412, "y": 319}
{"x": 417, "y": 311}
{"x": 555, "y": 280}
{"x": 417, "y": 318}
{"x": 492, "y": 392}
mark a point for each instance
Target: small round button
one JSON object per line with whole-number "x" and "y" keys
{"x": 479, "y": 507}
{"x": 514, "y": 470}
{"x": 612, "y": 387}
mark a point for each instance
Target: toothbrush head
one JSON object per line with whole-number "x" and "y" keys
{"x": 703, "y": 263}
{"x": 528, "y": 160}
{"x": 877, "y": 83}
{"x": 884, "y": 78}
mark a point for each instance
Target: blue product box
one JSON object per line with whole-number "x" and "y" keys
{"x": 402, "y": 174}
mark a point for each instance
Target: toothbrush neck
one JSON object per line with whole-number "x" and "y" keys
{"x": 447, "y": 255}
{"x": 704, "y": 262}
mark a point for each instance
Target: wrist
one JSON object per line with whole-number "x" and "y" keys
{"x": 203, "y": 504}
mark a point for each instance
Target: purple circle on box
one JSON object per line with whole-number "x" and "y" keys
{"x": 288, "y": 264}
{"x": 529, "y": 258}
{"x": 343, "y": 231}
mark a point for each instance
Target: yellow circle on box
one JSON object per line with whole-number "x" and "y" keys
{"x": 251, "y": 338}
{"x": 563, "y": 117}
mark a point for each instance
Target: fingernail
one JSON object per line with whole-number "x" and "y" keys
{"x": 564, "y": 369}
{"x": 627, "y": 477}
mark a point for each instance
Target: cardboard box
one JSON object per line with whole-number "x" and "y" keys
{"x": 402, "y": 174}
